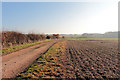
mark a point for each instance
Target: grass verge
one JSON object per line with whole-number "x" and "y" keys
{"x": 93, "y": 39}
{"x": 18, "y": 47}
{"x": 46, "y": 65}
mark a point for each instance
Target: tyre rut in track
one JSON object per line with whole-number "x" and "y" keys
{"x": 16, "y": 62}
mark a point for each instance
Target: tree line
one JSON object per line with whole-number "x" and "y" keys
{"x": 10, "y": 38}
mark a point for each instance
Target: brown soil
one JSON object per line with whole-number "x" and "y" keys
{"x": 92, "y": 59}
{"x": 16, "y": 62}
{"x": 89, "y": 60}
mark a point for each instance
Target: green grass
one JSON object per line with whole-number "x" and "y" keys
{"x": 44, "y": 64}
{"x": 93, "y": 39}
{"x": 18, "y": 47}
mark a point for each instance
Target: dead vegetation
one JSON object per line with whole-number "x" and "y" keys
{"x": 11, "y": 38}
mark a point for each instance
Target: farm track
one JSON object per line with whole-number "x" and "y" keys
{"x": 96, "y": 59}
{"x": 16, "y": 62}
{"x": 93, "y": 59}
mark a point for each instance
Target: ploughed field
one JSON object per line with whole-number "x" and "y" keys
{"x": 77, "y": 59}
{"x": 96, "y": 59}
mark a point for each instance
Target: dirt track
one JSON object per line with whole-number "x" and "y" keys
{"x": 86, "y": 59}
{"x": 14, "y": 63}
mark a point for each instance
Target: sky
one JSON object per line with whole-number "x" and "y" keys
{"x": 60, "y": 17}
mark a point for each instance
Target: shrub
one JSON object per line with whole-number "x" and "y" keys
{"x": 10, "y": 38}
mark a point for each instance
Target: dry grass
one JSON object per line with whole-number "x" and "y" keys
{"x": 47, "y": 65}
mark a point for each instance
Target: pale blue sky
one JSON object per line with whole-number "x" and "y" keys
{"x": 60, "y": 17}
